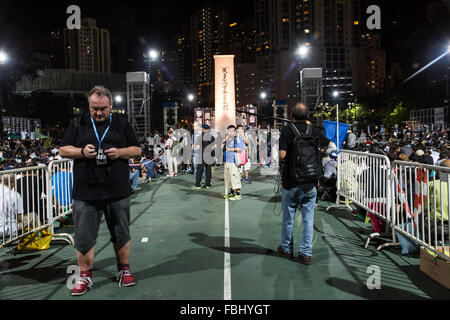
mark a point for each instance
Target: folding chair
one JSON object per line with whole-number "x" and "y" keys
{"x": 326, "y": 187}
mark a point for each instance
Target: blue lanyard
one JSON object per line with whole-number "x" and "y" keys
{"x": 106, "y": 131}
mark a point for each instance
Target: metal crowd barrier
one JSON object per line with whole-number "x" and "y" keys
{"x": 60, "y": 176}
{"x": 412, "y": 198}
{"x": 420, "y": 208}
{"x": 362, "y": 178}
{"x": 32, "y": 199}
{"x": 23, "y": 208}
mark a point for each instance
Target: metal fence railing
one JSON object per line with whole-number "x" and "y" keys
{"x": 411, "y": 198}
{"x": 32, "y": 199}
{"x": 23, "y": 208}
{"x": 363, "y": 179}
{"x": 60, "y": 177}
{"x": 420, "y": 208}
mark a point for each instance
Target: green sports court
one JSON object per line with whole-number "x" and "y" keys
{"x": 194, "y": 245}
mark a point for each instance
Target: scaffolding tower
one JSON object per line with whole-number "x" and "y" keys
{"x": 138, "y": 102}
{"x": 280, "y": 110}
{"x": 312, "y": 89}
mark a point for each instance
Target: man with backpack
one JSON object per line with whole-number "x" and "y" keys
{"x": 300, "y": 151}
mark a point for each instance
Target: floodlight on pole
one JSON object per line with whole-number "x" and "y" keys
{"x": 153, "y": 54}
{"x": 335, "y": 95}
{"x": 302, "y": 51}
{"x": 3, "y": 57}
{"x": 118, "y": 99}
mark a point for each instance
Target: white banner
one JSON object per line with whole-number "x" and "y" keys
{"x": 439, "y": 117}
{"x": 225, "y": 100}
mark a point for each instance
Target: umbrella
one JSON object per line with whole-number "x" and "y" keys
{"x": 41, "y": 136}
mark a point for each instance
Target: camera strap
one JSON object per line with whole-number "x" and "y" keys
{"x": 106, "y": 131}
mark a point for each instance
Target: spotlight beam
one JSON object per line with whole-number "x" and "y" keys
{"x": 427, "y": 66}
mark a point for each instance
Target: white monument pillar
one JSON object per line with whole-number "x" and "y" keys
{"x": 225, "y": 100}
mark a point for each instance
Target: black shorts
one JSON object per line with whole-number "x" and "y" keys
{"x": 87, "y": 217}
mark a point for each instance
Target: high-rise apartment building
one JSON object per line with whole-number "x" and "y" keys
{"x": 87, "y": 49}
{"x": 209, "y": 37}
{"x": 372, "y": 64}
{"x": 330, "y": 27}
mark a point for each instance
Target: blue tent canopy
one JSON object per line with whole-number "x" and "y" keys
{"x": 330, "y": 131}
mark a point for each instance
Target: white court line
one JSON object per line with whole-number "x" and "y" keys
{"x": 227, "y": 258}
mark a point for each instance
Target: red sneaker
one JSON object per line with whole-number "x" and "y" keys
{"x": 124, "y": 276}
{"x": 83, "y": 284}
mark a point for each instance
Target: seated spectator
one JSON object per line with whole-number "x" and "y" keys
{"x": 13, "y": 220}
{"x": 435, "y": 187}
{"x": 134, "y": 177}
{"x": 330, "y": 174}
{"x": 436, "y": 216}
{"x": 149, "y": 165}
{"x": 134, "y": 174}
{"x": 403, "y": 157}
{"x": 443, "y": 155}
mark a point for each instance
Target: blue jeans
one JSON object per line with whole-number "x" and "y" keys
{"x": 134, "y": 176}
{"x": 290, "y": 201}
{"x": 150, "y": 167}
{"x": 408, "y": 246}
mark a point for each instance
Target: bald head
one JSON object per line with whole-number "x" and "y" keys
{"x": 445, "y": 163}
{"x": 300, "y": 111}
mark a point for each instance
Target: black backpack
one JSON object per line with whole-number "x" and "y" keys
{"x": 306, "y": 161}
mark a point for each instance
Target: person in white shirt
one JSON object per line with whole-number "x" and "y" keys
{"x": 157, "y": 138}
{"x": 13, "y": 220}
{"x": 329, "y": 166}
{"x": 171, "y": 159}
{"x": 150, "y": 140}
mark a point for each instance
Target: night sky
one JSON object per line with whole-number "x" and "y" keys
{"x": 136, "y": 26}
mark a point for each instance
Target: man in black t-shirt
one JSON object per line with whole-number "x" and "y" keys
{"x": 295, "y": 194}
{"x": 101, "y": 145}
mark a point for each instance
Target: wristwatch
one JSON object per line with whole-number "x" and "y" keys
{"x": 82, "y": 153}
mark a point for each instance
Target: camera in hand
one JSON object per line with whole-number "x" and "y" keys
{"x": 101, "y": 157}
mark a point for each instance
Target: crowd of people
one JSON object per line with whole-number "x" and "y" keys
{"x": 418, "y": 191}
{"x": 405, "y": 145}
{"x": 159, "y": 157}
{"x": 20, "y": 153}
